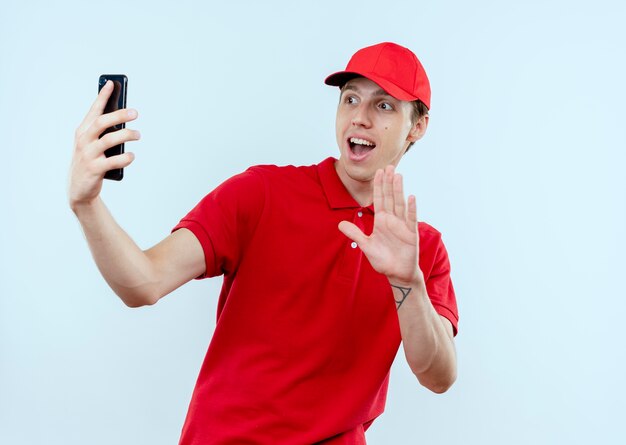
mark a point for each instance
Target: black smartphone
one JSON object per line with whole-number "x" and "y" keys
{"x": 116, "y": 101}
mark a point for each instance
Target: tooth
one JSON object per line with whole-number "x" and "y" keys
{"x": 361, "y": 142}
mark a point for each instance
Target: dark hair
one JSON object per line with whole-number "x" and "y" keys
{"x": 419, "y": 111}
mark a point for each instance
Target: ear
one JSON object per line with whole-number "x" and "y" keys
{"x": 418, "y": 129}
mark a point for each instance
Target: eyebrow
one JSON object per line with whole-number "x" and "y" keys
{"x": 378, "y": 92}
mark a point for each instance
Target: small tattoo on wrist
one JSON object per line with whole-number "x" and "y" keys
{"x": 405, "y": 293}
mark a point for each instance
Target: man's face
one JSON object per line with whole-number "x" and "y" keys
{"x": 373, "y": 130}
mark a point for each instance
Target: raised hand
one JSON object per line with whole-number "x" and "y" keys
{"x": 393, "y": 247}
{"x": 89, "y": 164}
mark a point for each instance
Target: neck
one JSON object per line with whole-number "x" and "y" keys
{"x": 361, "y": 191}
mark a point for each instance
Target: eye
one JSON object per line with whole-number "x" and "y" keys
{"x": 350, "y": 99}
{"x": 385, "y": 106}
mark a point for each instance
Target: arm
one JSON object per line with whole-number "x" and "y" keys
{"x": 138, "y": 277}
{"x": 427, "y": 337}
{"x": 393, "y": 250}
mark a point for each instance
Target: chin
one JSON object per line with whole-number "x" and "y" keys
{"x": 360, "y": 174}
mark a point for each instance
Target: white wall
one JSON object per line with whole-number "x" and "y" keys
{"x": 522, "y": 170}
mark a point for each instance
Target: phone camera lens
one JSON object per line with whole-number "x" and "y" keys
{"x": 103, "y": 81}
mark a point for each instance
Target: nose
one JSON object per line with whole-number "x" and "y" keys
{"x": 361, "y": 117}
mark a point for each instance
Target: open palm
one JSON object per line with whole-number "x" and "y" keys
{"x": 393, "y": 247}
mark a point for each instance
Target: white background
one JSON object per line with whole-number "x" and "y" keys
{"x": 522, "y": 169}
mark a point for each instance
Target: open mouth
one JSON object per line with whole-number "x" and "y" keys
{"x": 360, "y": 146}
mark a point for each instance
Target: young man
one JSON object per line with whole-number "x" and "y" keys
{"x": 325, "y": 269}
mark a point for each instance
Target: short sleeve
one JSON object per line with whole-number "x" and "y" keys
{"x": 435, "y": 265}
{"x": 225, "y": 220}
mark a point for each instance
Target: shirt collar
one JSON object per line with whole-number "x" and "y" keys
{"x": 336, "y": 193}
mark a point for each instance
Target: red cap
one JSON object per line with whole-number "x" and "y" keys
{"x": 393, "y": 67}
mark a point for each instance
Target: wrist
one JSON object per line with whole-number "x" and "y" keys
{"x": 82, "y": 207}
{"x": 413, "y": 281}
{"x": 402, "y": 288}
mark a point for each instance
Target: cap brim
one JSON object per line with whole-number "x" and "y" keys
{"x": 340, "y": 78}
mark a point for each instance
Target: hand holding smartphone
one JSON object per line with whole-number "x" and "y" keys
{"x": 116, "y": 101}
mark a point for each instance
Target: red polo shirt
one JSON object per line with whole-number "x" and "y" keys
{"x": 306, "y": 330}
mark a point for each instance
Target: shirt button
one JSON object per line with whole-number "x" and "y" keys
{"x": 360, "y": 214}
{"x": 353, "y": 245}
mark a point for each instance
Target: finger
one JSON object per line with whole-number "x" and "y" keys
{"x": 378, "y": 191}
{"x": 388, "y": 188}
{"x": 398, "y": 197}
{"x": 108, "y": 120}
{"x": 352, "y": 232}
{"x": 97, "y": 107}
{"x": 115, "y": 138}
{"x": 411, "y": 216}
{"x": 118, "y": 161}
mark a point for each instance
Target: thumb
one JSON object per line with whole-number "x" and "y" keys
{"x": 352, "y": 232}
